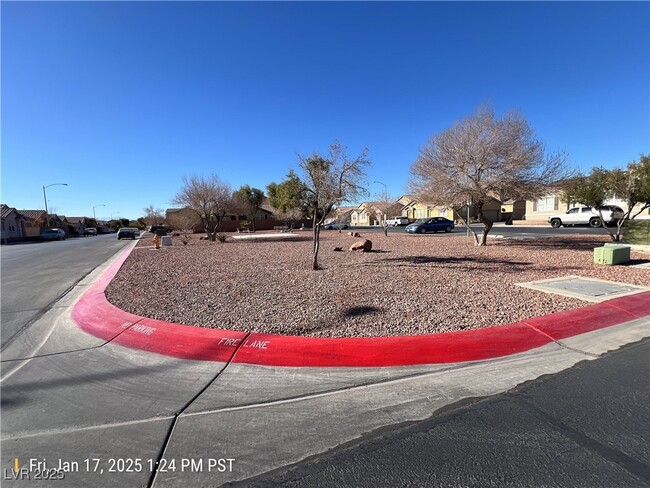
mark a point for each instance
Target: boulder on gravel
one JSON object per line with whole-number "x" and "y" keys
{"x": 363, "y": 245}
{"x": 338, "y": 249}
{"x": 354, "y": 234}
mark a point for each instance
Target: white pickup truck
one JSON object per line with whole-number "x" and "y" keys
{"x": 395, "y": 221}
{"x": 587, "y": 216}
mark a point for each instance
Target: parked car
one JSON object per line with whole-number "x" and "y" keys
{"x": 90, "y": 231}
{"x": 159, "y": 229}
{"x": 395, "y": 221}
{"x": 587, "y": 216}
{"x": 53, "y": 235}
{"x": 125, "y": 232}
{"x": 434, "y": 224}
{"x": 335, "y": 226}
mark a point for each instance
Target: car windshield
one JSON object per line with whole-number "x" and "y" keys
{"x": 421, "y": 221}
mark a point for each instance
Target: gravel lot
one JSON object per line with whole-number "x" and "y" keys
{"x": 408, "y": 284}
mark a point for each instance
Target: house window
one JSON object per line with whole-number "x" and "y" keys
{"x": 546, "y": 204}
{"x": 420, "y": 214}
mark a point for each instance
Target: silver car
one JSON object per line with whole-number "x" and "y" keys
{"x": 53, "y": 235}
{"x": 336, "y": 226}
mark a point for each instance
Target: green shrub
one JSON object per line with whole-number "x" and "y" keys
{"x": 637, "y": 232}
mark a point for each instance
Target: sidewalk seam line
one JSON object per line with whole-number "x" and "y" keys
{"x": 83, "y": 429}
{"x": 106, "y": 342}
{"x": 294, "y": 399}
{"x": 167, "y": 440}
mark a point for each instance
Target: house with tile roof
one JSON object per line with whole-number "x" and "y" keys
{"x": 13, "y": 224}
{"x": 375, "y": 213}
{"x": 77, "y": 225}
{"x": 34, "y": 223}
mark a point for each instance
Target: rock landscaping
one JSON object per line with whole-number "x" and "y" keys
{"x": 405, "y": 284}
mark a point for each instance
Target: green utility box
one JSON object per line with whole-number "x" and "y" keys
{"x": 612, "y": 254}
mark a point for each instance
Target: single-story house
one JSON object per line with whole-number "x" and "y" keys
{"x": 34, "y": 223}
{"x": 77, "y": 225}
{"x": 13, "y": 224}
{"x": 415, "y": 209}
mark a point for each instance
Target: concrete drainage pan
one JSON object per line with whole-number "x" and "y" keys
{"x": 588, "y": 289}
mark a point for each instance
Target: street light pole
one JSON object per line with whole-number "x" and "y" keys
{"x": 385, "y": 197}
{"x": 94, "y": 207}
{"x": 385, "y": 187}
{"x": 47, "y": 214}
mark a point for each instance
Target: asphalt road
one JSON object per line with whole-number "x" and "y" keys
{"x": 588, "y": 426}
{"x": 513, "y": 231}
{"x": 36, "y": 275}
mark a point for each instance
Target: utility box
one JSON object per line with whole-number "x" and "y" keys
{"x": 612, "y": 254}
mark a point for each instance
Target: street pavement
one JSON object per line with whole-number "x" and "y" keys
{"x": 93, "y": 412}
{"x": 35, "y": 276}
{"x": 586, "y": 427}
{"x": 499, "y": 230}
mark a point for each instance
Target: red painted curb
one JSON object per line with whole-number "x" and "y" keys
{"x": 95, "y": 315}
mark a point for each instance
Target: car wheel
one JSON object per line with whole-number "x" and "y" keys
{"x": 421, "y": 230}
{"x": 556, "y": 223}
{"x": 595, "y": 222}
{"x": 448, "y": 228}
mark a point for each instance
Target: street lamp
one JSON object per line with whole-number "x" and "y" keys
{"x": 94, "y": 207}
{"x": 385, "y": 188}
{"x": 385, "y": 198}
{"x": 47, "y": 214}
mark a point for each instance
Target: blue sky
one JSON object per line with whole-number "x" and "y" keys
{"x": 120, "y": 100}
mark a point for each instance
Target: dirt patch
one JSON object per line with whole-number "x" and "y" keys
{"x": 408, "y": 284}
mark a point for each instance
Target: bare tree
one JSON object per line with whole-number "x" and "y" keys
{"x": 183, "y": 219}
{"x": 153, "y": 216}
{"x": 482, "y": 158}
{"x": 330, "y": 182}
{"x": 209, "y": 197}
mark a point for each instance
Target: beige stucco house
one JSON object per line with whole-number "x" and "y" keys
{"x": 13, "y": 224}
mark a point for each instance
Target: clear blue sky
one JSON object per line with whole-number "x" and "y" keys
{"x": 120, "y": 100}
